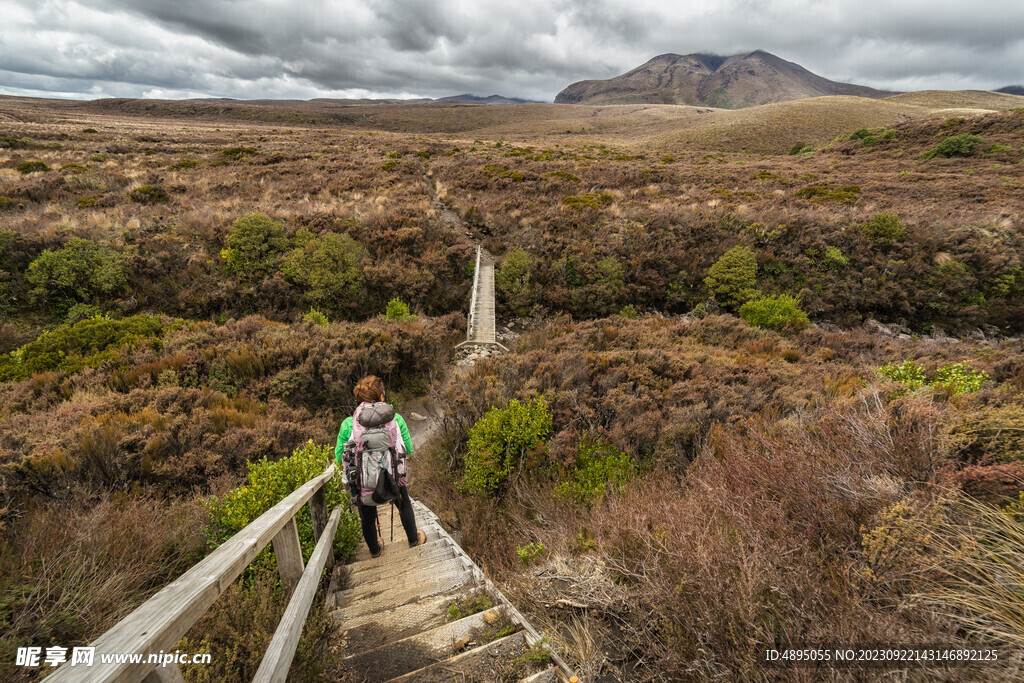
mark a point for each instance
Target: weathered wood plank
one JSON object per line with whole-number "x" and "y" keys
{"x": 165, "y": 674}
{"x": 318, "y": 512}
{"x": 288, "y": 552}
{"x": 278, "y": 657}
{"x": 160, "y": 622}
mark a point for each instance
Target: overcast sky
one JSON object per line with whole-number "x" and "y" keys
{"x": 520, "y": 48}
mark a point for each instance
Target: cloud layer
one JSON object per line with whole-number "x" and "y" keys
{"x": 523, "y": 48}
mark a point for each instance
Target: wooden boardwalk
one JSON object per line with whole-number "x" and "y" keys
{"x": 404, "y": 616}
{"x": 481, "y": 329}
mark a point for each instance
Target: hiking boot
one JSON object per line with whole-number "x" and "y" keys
{"x": 421, "y": 538}
{"x": 380, "y": 544}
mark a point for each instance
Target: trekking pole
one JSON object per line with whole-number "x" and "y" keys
{"x": 379, "y": 534}
{"x": 392, "y": 521}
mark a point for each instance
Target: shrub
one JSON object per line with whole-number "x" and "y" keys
{"x": 953, "y": 146}
{"x": 397, "y": 310}
{"x": 268, "y": 483}
{"x": 31, "y": 167}
{"x": 501, "y": 440}
{"x": 598, "y": 467}
{"x": 73, "y": 346}
{"x": 316, "y": 317}
{"x": 799, "y": 148}
{"x": 591, "y": 200}
{"x": 774, "y": 312}
{"x": 5, "y": 203}
{"x": 390, "y": 165}
{"x": 529, "y": 552}
{"x": 629, "y": 312}
{"x": 733, "y": 276}
{"x": 148, "y": 194}
{"x": 820, "y": 193}
{"x": 564, "y": 175}
{"x": 953, "y": 378}
{"x": 884, "y": 229}
{"x": 238, "y": 152}
{"x": 513, "y": 281}
{"x": 254, "y": 243}
{"x": 327, "y": 268}
{"x": 835, "y": 259}
{"x": 80, "y": 271}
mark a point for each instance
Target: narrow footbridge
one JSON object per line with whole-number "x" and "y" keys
{"x": 481, "y": 327}
{"x": 424, "y": 614}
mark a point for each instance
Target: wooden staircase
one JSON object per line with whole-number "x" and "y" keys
{"x": 428, "y": 614}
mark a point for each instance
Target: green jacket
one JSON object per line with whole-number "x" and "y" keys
{"x": 346, "y": 431}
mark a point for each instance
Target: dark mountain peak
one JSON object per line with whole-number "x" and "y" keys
{"x": 731, "y": 82}
{"x": 1012, "y": 90}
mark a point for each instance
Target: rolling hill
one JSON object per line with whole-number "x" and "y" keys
{"x": 734, "y": 82}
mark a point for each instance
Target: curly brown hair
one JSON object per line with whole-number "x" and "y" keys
{"x": 369, "y": 389}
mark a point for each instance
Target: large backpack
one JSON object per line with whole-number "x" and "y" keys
{"x": 375, "y": 455}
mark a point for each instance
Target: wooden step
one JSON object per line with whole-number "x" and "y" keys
{"x": 370, "y": 630}
{"x": 397, "y": 548}
{"x": 494, "y": 661}
{"x": 397, "y": 657}
{"x": 414, "y": 575}
{"x": 360, "y": 571}
{"x": 545, "y": 676}
{"x": 399, "y": 595}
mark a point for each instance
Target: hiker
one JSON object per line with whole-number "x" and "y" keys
{"x": 372, "y": 447}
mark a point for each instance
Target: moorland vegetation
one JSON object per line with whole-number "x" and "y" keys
{"x": 760, "y": 398}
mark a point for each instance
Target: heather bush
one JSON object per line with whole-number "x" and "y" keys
{"x": 268, "y": 483}
{"x": 27, "y": 167}
{"x": 598, "y": 468}
{"x": 398, "y": 311}
{"x": 327, "y": 268}
{"x": 774, "y": 312}
{"x": 884, "y": 229}
{"x": 253, "y": 245}
{"x": 733, "y": 277}
{"x": 500, "y": 442}
{"x": 80, "y": 271}
{"x": 953, "y": 146}
{"x": 512, "y": 280}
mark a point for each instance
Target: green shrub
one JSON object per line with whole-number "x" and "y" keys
{"x": 835, "y": 259}
{"x": 775, "y": 313}
{"x": 501, "y": 440}
{"x": 953, "y": 378}
{"x": 397, "y": 310}
{"x": 73, "y": 346}
{"x": 733, "y": 276}
{"x": 564, "y": 175}
{"x": 5, "y": 203}
{"x": 513, "y": 279}
{"x": 598, "y": 468}
{"x": 996, "y": 148}
{"x": 80, "y": 271}
{"x": 80, "y": 312}
{"x": 839, "y": 195}
{"x": 148, "y": 194}
{"x": 74, "y": 168}
{"x": 591, "y": 200}
{"x": 269, "y": 482}
{"x": 884, "y": 229}
{"x": 328, "y": 269}
{"x": 529, "y": 552}
{"x": 959, "y": 378}
{"x": 238, "y": 152}
{"x": 32, "y": 167}
{"x": 188, "y": 162}
{"x": 254, "y": 243}
{"x": 798, "y": 148}
{"x": 629, "y": 312}
{"x": 390, "y": 165}
{"x": 316, "y": 317}
{"x": 953, "y": 146}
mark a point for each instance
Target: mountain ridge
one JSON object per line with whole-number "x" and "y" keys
{"x": 699, "y": 79}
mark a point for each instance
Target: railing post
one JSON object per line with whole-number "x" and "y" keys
{"x": 318, "y": 512}
{"x": 289, "y": 555}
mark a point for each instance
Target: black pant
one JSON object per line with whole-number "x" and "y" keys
{"x": 368, "y": 515}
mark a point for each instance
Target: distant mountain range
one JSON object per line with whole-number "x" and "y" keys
{"x": 1012, "y": 90}
{"x": 476, "y": 99}
{"x": 734, "y": 82}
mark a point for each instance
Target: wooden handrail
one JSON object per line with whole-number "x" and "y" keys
{"x": 160, "y": 622}
{"x": 281, "y": 651}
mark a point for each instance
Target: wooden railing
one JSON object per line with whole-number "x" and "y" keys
{"x": 160, "y": 622}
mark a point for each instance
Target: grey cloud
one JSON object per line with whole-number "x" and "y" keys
{"x": 525, "y": 48}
